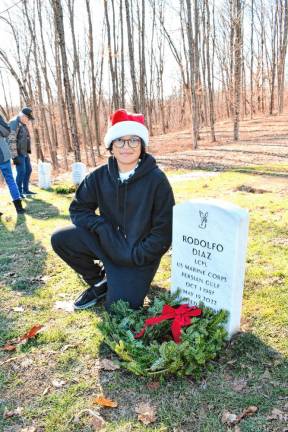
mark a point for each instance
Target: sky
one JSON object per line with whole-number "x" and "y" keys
{"x": 4, "y": 38}
{"x": 13, "y": 6}
{"x": 171, "y": 70}
{"x": 171, "y": 73}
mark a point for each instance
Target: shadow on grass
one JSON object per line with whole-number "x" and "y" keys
{"x": 22, "y": 261}
{"x": 41, "y": 210}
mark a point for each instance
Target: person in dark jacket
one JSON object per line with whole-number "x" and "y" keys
{"x": 5, "y": 166}
{"x": 20, "y": 138}
{"x": 133, "y": 227}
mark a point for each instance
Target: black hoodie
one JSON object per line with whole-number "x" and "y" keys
{"x": 135, "y": 222}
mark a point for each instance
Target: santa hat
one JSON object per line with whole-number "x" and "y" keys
{"x": 123, "y": 123}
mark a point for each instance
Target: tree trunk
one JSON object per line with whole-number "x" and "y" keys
{"x": 251, "y": 59}
{"x": 58, "y": 13}
{"x": 93, "y": 80}
{"x": 113, "y": 72}
{"x": 210, "y": 90}
{"x": 195, "y": 119}
{"x": 283, "y": 51}
{"x": 122, "y": 57}
{"x": 88, "y": 140}
{"x": 52, "y": 148}
{"x": 61, "y": 106}
{"x": 135, "y": 98}
{"x": 237, "y": 65}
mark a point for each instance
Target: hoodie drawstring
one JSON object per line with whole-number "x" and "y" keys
{"x": 125, "y": 205}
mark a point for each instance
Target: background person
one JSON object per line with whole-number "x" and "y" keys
{"x": 134, "y": 226}
{"x": 20, "y": 137}
{"x": 5, "y": 166}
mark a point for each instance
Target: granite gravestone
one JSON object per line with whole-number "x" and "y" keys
{"x": 208, "y": 255}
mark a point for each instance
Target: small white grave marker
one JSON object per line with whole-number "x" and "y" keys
{"x": 208, "y": 258}
{"x": 78, "y": 172}
{"x": 44, "y": 175}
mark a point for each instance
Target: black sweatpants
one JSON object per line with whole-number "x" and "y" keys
{"x": 79, "y": 248}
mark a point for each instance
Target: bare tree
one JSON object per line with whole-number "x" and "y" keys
{"x": 283, "y": 36}
{"x": 210, "y": 89}
{"x": 112, "y": 53}
{"x": 195, "y": 119}
{"x": 93, "y": 80}
{"x": 135, "y": 98}
{"x": 58, "y": 14}
{"x": 237, "y": 9}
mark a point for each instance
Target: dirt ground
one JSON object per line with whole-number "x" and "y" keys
{"x": 263, "y": 140}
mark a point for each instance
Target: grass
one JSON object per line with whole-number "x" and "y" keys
{"x": 268, "y": 169}
{"x": 69, "y": 347}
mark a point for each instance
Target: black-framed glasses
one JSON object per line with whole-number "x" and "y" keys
{"x": 132, "y": 142}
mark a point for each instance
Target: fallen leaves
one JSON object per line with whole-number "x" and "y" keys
{"x": 29, "y": 429}
{"x": 65, "y": 305}
{"x": 154, "y": 385}
{"x": 108, "y": 365}
{"x": 105, "y": 403}
{"x": 8, "y": 347}
{"x": 229, "y": 418}
{"x": 277, "y": 414}
{"x": 232, "y": 419}
{"x": 26, "y": 363}
{"x": 97, "y": 422}
{"x": 58, "y": 383}
{"x": 68, "y": 346}
{"x": 18, "y": 428}
{"x": 18, "y": 309}
{"x": 146, "y": 413}
{"x": 8, "y": 414}
{"x": 239, "y": 384}
{"x": 11, "y": 345}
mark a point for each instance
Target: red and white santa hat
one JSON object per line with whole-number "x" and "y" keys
{"x": 124, "y": 123}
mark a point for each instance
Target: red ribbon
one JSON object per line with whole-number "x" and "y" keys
{"x": 181, "y": 317}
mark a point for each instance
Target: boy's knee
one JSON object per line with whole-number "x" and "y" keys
{"x": 56, "y": 240}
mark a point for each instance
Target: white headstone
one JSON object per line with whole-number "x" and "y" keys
{"x": 78, "y": 172}
{"x": 208, "y": 255}
{"x": 44, "y": 175}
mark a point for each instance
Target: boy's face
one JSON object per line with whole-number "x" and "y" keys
{"x": 127, "y": 154}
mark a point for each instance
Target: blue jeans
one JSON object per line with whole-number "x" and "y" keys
{"x": 6, "y": 170}
{"x": 24, "y": 171}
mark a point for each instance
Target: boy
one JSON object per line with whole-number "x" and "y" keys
{"x": 134, "y": 226}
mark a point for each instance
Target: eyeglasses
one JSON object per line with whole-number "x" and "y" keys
{"x": 132, "y": 142}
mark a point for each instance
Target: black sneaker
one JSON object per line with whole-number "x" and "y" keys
{"x": 29, "y": 193}
{"x": 92, "y": 295}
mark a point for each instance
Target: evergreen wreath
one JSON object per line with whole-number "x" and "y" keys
{"x": 156, "y": 353}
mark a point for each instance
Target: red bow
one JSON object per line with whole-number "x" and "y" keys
{"x": 181, "y": 317}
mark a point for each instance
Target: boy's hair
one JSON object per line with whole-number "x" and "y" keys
{"x": 143, "y": 148}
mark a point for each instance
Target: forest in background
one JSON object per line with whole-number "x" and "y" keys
{"x": 183, "y": 63}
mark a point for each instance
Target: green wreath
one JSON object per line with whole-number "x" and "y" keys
{"x": 156, "y": 353}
